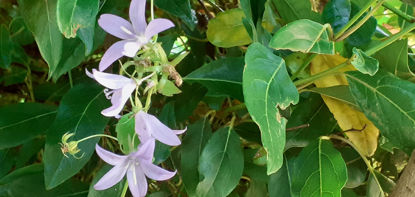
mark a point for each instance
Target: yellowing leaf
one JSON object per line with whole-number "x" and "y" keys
{"x": 359, "y": 129}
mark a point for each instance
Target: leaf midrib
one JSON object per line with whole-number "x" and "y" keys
{"x": 28, "y": 119}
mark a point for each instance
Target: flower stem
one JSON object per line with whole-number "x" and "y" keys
{"x": 321, "y": 74}
{"x": 360, "y": 23}
{"x": 148, "y": 101}
{"x": 97, "y": 135}
{"x": 354, "y": 19}
{"x": 398, "y": 12}
{"x": 124, "y": 189}
{"x": 391, "y": 39}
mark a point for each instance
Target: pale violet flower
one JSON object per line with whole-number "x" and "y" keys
{"x": 134, "y": 34}
{"x": 137, "y": 165}
{"x": 119, "y": 90}
{"x": 149, "y": 128}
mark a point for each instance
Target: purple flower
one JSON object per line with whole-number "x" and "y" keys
{"x": 134, "y": 34}
{"x": 121, "y": 89}
{"x": 136, "y": 165}
{"x": 149, "y": 128}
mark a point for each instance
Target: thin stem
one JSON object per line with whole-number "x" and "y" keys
{"x": 307, "y": 61}
{"x": 205, "y": 9}
{"x": 148, "y": 101}
{"x": 398, "y": 12}
{"x": 97, "y": 135}
{"x": 321, "y": 74}
{"x": 235, "y": 108}
{"x": 391, "y": 39}
{"x": 29, "y": 83}
{"x": 354, "y": 19}
{"x": 360, "y": 23}
{"x": 213, "y": 4}
{"x": 70, "y": 79}
{"x": 124, "y": 189}
{"x": 369, "y": 166}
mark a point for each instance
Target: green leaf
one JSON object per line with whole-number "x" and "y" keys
{"x": 356, "y": 167}
{"x": 115, "y": 190}
{"x": 169, "y": 89}
{"x": 337, "y": 13}
{"x": 364, "y": 34}
{"x": 312, "y": 111}
{"x": 5, "y": 47}
{"x": 179, "y": 8}
{"x": 319, "y": 171}
{"x": 279, "y": 183}
{"x": 305, "y": 36}
{"x": 79, "y": 15}
{"x": 408, "y": 10}
{"x": 387, "y": 101}
{"x": 267, "y": 87}
{"x": 14, "y": 75}
{"x": 340, "y": 92}
{"x": 364, "y": 63}
{"x": 61, "y": 54}
{"x": 227, "y": 30}
{"x": 221, "y": 164}
{"x": 21, "y": 33}
{"x": 197, "y": 135}
{"x": 394, "y": 59}
{"x": 187, "y": 101}
{"x": 40, "y": 17}
{"x": 27, "y": 181}
{"x": 125, "y": 133}
{"x": 23, "y": 122}
{"x": 78, "y": 113}
{"x": 292, "y": 10}
{"x": 221, "y": 77}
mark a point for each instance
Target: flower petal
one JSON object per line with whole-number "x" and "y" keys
{"x": 160, "y": 131}
{"x": 145, "y": 150}
{"x": 156, "y": 26}
{"x": 116, "y": 26}
{"x": 112, "y": 177}
{"x": 137, "y": 182}
{"x": 155, "y": 172}
{"x": 111, "y": 81}
{"x": 143, "y": 132}
{"x": 131, "y": 49}
{"x": 109, "y": 157}
{"x": 118, "y": 100}
{"x": 178, "y": 132}
{"x": 112, "y": 54}
{"x": 137, "y": 14}
{"x": 89, "y": 74}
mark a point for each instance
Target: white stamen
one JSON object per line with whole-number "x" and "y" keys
{"x": 108, "y": 93}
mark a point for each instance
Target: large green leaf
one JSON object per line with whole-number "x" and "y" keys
{"x": 40, "y": 17}
{"x": 280, "y": 182}
{"x": 311, "y": 110}
{"x": 197, "y": 135}
{"x": 394, "y": 59}
{"x": 267, "y": 87}
{"x": 227, "y": 29}
{"x": 364, "y": 34}
{"x": 341, "y": 93}
{"x": 364, "y": 63}
{"x": 222, "y": 77}
{"x": 179, "y": 8}
{"x": 319, "y": 171}
{"x": 291, "y": 10}
{"x": 29, "y": 181}
{"x": 221, "y": 164}
{"x": 79, "y": 15}
{"x": 389, "y": 103}
{"x": 78, "y": 113}
{"x": 5, "y": 47}
{"x": 61, "y": 54}
{"x": 337, "y": 13}
{"x": 20, "y": 123}
{"x": 305, "y": 36}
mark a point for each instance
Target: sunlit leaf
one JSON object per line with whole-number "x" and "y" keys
{"x": 364, "y": 63}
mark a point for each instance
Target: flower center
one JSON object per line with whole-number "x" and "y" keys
{"x": 108, "y": 93}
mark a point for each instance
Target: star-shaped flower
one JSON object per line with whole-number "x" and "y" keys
{"x": 149, "y": 128}
{"x": 134, "y": 34}
{"x": 136, "y": 165}
{"x": 121, "y": 89}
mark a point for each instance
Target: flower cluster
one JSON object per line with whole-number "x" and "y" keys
{"x": 136, "y": 165}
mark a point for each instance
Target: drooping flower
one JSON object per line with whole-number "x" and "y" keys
{"x": 137, "y": 165}
{"x": 121, "y": 89}
{"x": 149, "y": 128}
{"x": 134, "y": 34}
